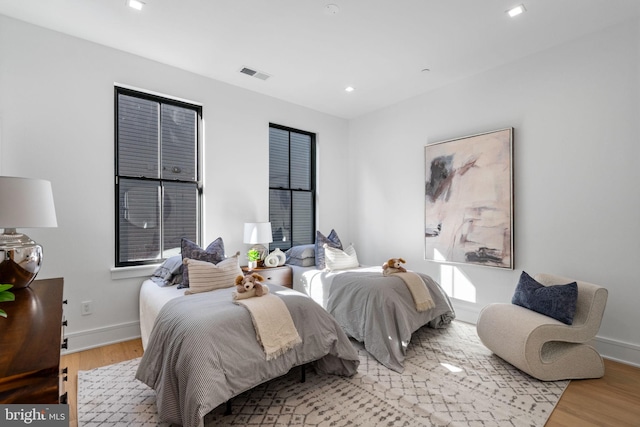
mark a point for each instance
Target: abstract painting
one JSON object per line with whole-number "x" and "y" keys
{"x": 469, "y": 200}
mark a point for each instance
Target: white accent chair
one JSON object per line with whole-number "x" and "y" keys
{"x": 541, "y": 346}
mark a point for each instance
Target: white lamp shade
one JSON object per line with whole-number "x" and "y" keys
{"x": 26, "y": 203}
{"x": 257, "y": 232}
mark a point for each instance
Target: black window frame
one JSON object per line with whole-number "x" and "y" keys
{"x": 119, "y": 90}
{"x": 311, "y": 190}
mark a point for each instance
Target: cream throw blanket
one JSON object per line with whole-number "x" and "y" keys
{"x": 274, "y": 326}
{"x": 419, "y": 291}
{"x": 248, "y": 294}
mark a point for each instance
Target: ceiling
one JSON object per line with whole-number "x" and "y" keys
{"x": 379, "y": 47}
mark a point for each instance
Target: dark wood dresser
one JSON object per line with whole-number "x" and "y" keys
{"x": 30, "y": 344}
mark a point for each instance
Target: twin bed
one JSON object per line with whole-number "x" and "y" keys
{"x": 201, "y": 350}
{"x": 376, "y": 310}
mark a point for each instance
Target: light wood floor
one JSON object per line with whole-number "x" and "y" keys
{"x": 90, "y": 359}
{"x": 613, "y": 400}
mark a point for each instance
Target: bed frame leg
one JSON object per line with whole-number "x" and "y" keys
{"x": 303, "y": 376}
{"x": 228, "y": 410}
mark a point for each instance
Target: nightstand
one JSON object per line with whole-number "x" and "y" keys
{"x": 277, "y": 275}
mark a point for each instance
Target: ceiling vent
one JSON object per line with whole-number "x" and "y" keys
{"x": 254, "y": 73}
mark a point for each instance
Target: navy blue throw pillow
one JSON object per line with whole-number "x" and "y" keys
{"x": 557, "y": 301}
{"x": 214, "y": 253}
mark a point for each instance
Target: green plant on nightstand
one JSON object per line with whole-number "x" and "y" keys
{"x": 253, "y": 255}
{"x": 5, "y": 295}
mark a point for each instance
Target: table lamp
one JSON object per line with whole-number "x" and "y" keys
{"x": 257, "y": 234}
{"x": 24, "y": 203}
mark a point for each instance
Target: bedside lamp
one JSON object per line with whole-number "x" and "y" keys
{"x": 24, "y": 203}
{"x": 257, "y": 234}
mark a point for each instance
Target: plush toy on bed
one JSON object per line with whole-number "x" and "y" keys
{"x": 393, "y": 265}
{"x": 249, "y": 282}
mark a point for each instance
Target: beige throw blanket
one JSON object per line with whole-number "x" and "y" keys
{"x": 419, "y": 291}
{"x": 274, "y": 326}
{"x": 248, "y": 294}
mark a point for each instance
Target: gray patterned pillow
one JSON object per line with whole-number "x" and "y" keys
{"x": 332, "y": 240}
{"x": 557, "y": 301}
{"x": 214, "y": 253}
{"x": 169, "y": 272}
{"x": 301, "y": 255}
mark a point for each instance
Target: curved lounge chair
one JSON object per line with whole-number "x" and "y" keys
{"x": 544, "y": 347}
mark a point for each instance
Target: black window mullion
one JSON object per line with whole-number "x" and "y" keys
{"x": 161, "y": 209}
{"x": 159, "y": 148}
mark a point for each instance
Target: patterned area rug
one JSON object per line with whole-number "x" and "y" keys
{"x": 450, "y": 379}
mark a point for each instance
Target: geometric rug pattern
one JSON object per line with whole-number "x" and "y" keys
{"x": 450, "y": 379}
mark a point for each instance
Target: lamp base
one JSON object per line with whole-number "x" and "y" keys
{"x": 262, "y": 249}
{"x": 20, "y": 259}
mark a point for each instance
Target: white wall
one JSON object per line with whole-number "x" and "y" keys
{"x": 57, "y": 123}
{"x": 575, "y": 110}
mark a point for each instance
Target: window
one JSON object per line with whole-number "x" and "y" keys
{"x": 291, "y": 186}
{"x": 157, "y": 176}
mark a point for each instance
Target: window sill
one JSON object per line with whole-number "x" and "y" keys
{"x": 118, "y": 273}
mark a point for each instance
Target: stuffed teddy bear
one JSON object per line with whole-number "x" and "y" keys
{"x": 252, "y": 281}
{"x": 393, "y": 265}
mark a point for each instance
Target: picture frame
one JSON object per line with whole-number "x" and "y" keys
{"x": 469, "y": 200}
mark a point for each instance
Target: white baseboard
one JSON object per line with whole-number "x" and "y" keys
{"x": 98, "y": 337}
{"x": 618, "y": 351}
{"x": 466, "y": 311}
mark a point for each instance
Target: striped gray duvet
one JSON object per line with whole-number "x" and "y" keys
{"x": 203, "y": 351}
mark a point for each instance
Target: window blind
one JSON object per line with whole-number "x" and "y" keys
{"x": 291, "y": 186}
{"x": 157, "y": 188}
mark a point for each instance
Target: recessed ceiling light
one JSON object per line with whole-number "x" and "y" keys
{"x": 349, "y": 89}
{"x": 135, "y": 4}
{"x": 515, "y": 11}
{"x": 331, "y": 9}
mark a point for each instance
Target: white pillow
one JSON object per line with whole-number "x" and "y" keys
{"x": 338, "y": 259}
{"x": 205, "y": 276}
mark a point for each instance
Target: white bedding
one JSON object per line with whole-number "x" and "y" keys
{"x": 152, "y": 298}
{"x": 308, "y": 280}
